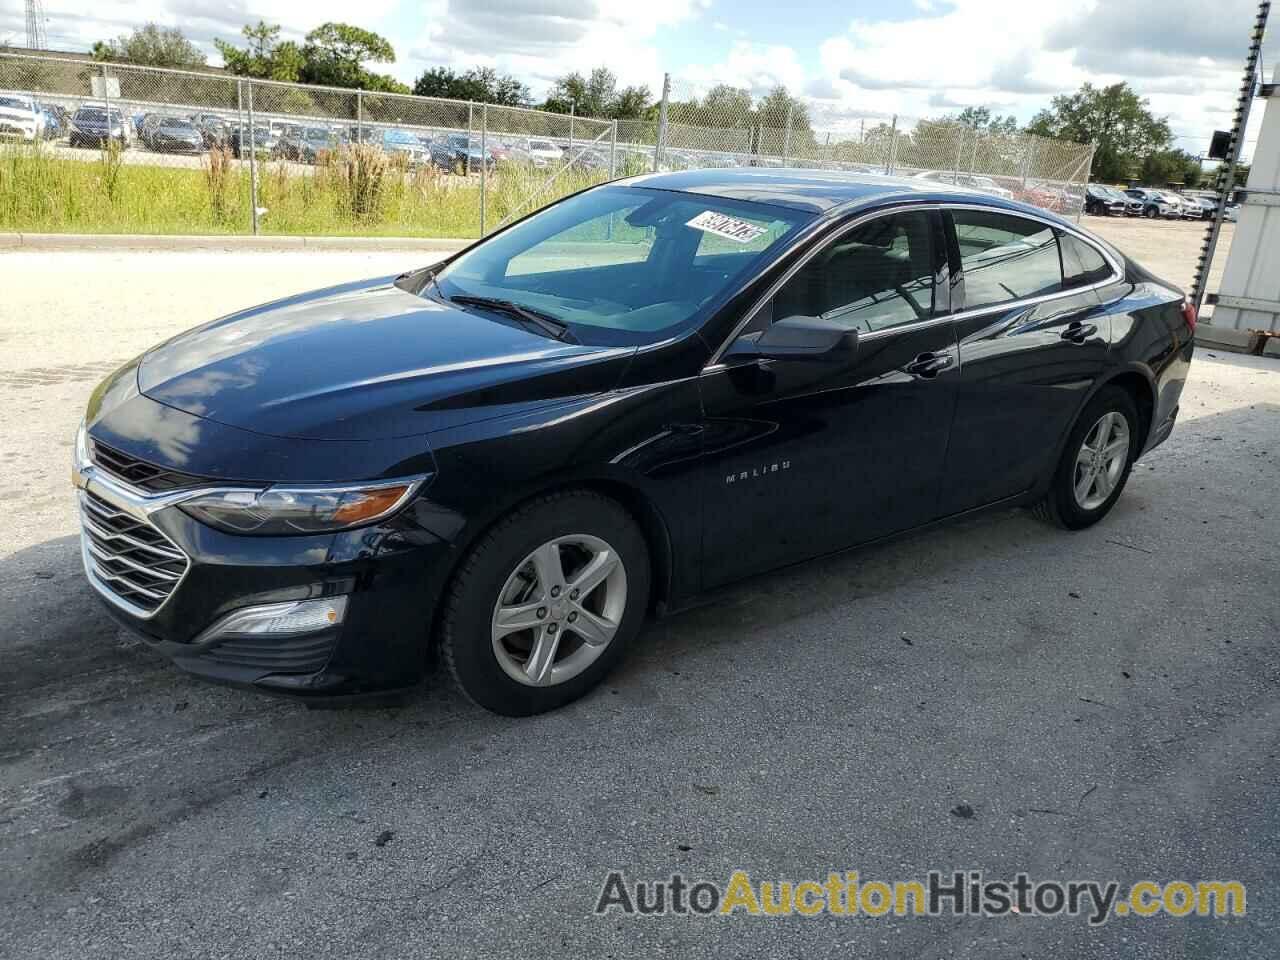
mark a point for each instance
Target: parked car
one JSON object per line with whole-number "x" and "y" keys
{"x": 464, "y": 152}
{"x": 403, "y": 143}
{"x": 56, "y": 121}
{"x": 514, "y": 455}
{"x": 543, "y": 153}
{"x": 1157, "y": 203}
{"x": 1103, "y": 201}
{"x": 91, "y": 127}
{"x": 264, "y": 142}
{"x": 305, "y": 144}
{"x": 20, "y": 117}
{"x": 970, "y": 181}
{"x": 1232, "y": 213}
{"x": 1204, "y": 202}
{"x": 173, "y": 135}
{"x": 216, "y": 132}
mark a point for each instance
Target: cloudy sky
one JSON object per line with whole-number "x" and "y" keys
{"x": 870, "y": 58}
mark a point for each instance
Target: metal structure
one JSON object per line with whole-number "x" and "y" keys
{"x": 1249, "y": 296}
{"x": 507, "y": 160}
{"x": 1225, "y": 184}
{"x": 36, "y": 39}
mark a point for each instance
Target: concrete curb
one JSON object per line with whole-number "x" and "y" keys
{"x": 1227, "y": 338}
{"x": 158, "y": 242}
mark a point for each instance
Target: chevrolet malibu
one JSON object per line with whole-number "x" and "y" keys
{"x": 505, "y": 461}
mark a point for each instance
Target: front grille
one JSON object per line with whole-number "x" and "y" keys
{"x": 129, "y": 557}
{"x": 139, "y": 473}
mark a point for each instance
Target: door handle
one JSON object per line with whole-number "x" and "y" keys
{"x": 929, "y": 365}
{"x": 1078, "y": 332}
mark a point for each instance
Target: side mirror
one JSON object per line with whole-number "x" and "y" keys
{"x": 808, "y": 338}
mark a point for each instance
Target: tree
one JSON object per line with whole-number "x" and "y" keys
{"x": 1114, "y": 118}
{"x": 481, "y": 84}
{"x": 597, "y": 95}
{"x": 151, "y": 46}
{"x": 980, "y": 118}
{"x": 1164, "y": 167}
{"x": 335, "y": 55}
{"x": 266, "y": 58}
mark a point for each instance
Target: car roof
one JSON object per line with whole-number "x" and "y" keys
{"x": 822, "y": 191}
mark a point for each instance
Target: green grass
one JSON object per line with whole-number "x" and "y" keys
{"x": 41, "y": 193}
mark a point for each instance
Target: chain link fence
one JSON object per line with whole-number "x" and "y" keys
{"x": 174, "y": 151}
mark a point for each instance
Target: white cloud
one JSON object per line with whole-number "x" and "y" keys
{"x": 539, "y": 40}
{"x": 757, "y": 67}
{"x": 76, "y": 25}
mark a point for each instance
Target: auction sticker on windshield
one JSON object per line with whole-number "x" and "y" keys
{"x": 725, "y": 226}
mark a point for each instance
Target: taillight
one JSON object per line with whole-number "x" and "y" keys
{"x": 1189, "y": 314}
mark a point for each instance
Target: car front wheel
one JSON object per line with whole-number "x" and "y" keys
{"x": 545, "y": 603}
{"x": 1095, "y": 463}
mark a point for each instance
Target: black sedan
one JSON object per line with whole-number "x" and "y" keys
{"x": 1104, "y": 201}
{"x": 512, "y": 457}
{"x": 173, "y": 135}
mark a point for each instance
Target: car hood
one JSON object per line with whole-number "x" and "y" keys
{"x": 367, "y": 361}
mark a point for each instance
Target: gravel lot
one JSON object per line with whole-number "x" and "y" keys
{"x": 1107, "y": 703}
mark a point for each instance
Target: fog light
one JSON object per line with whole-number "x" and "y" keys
{"x": 279, "y": 619}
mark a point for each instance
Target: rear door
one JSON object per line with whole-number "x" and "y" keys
{"x": 1033, "y": 338}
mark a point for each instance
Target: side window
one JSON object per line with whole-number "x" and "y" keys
{"x": 1005, "y": 257}
{"x": 1082, "y": 264}
{"x": 877, "y": 276}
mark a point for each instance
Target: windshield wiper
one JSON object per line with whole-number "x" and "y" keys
{"x": 544, "y": 322}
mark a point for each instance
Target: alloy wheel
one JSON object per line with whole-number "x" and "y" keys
{"x": 559, "y": 610}
{"x": 1101, "y": 460}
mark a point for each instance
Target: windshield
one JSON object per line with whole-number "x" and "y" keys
{"x": 317, "y": 133}
{"x": 15, "y": 102}
{"x": 399, "y": 136}
{"x": 624, "y": 265}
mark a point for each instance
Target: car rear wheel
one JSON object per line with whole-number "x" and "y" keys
{"x": 1095, "y": 463}
{"x": 546, "y": 603}
{"x": 1151, "y": 213}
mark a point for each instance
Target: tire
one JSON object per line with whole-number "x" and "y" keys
{"x": 1151, "y": 213}
{"x": 502, "y": 574}
{"x": 1063, "y": 505}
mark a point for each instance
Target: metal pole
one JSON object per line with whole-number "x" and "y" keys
{"x": 572, "y": 107}
{"x": 1227, "y": 169}
{"x": 661, "y": 139}
{"x": 893, "y": 146}
{"x": 484, "y": 164}
{"x": 359, "y": 116}
{"x": 613, "y": 154}
{"x": 786, "y": 135}
{"x": 955, "y": 173}
{"x": 253, "y": 166}
{"x": 106, "y": 103}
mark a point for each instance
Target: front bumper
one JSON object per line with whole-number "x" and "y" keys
{"x": 390, "y": 574}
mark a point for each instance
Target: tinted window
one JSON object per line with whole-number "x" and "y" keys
{"x": 1006, "y": 258}
{"x": 1081, "y": 263}
{"x": 877, "y": 276}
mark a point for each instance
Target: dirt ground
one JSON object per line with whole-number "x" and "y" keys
{"x": 1168, "y": 248}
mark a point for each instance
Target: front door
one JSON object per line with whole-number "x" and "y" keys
{"x": 804, "y": 457}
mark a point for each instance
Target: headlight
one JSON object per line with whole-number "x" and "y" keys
{"x": 82, "y": 447}
{"x": 285, "y": 511}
